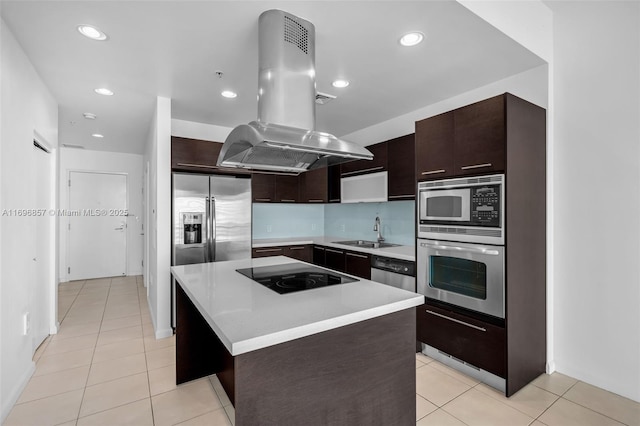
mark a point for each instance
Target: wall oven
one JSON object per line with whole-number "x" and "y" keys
{"x": 467, "y": 275}
{"x": 462, "y": 209}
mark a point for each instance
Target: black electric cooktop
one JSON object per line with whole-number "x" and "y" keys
{"x": 292, "y": 277}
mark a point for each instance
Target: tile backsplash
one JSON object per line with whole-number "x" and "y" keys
{"x": 348, "y": 221}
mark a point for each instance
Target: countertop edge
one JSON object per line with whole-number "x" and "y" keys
{"x": 322, "y": 326}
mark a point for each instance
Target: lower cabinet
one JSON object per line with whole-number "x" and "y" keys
{"x": 358, "y": 264}
{"x": 354, "y": 263}
{"x": 301, "y": 252}
{"x": 476, "y": 342}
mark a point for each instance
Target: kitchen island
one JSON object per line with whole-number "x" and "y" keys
{"x": 342, "y": 354}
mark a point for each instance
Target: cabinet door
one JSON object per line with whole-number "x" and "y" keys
{"x": 263, "y": 187}
{"x": 301, "y": 252}
{"x": 378, "y": 164}
{"x": 334, "y": 183}
{"x": 401, "y": 168}
{"x": 319, "y": 256}
{"x": 314, "y": 186}
{"x": 358, "y": 264}
{"x": 267, "y": 251}
{"x": 286, "y": 189}
{"x": 480, "y": 133}
{"x": 194, "y": 154}
{"x": 434, "y": 147}
{"x": 334, "y": 259}
{"x": 469, "y": 339}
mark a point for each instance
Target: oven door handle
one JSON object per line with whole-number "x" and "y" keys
{"x": 467, "y": 249}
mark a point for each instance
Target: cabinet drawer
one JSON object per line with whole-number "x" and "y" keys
{"x": 358, "y": 264}
{"x": 267, "y": 251}
{"x": 476, "y": 342}
{"x": 301, "y": 252}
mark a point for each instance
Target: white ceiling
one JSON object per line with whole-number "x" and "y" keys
{"x": 173, "y": 48}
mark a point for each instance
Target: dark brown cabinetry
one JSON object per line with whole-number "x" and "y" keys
{"x": 358, "y": 264}
{"x": 314, "y": 186}
{"x": 333, "y": 177}
{"x": 334, "y": 259}
{"x": 195, "y": 155}
{"x": 354, "y": 263}
{"x": 358, "y": 167}
{"x": 466, "y": 141}
{"x": 263, "y": 187}
{"x": 301, "y": 252}
{"x": 400, "y": 165}
{"x": 287, "y": 189}
{"x": 477, "y": 342}
{"x": 502, "y": 134}
{"x": 268, "y": 251}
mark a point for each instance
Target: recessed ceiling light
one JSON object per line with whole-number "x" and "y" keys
{"x": 103, "y": 91}
{"x": 92, "y": 32}
{"x": 90, "y": 116}
{"x": 411, "y": 39}
{"x": 97, "y": 135}
{"x": 340, "y": 83}
{"x": 229, "y": 94}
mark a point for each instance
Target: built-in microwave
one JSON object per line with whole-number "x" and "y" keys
{"x": 462, "y": 209}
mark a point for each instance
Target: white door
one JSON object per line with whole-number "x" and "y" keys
{"x": 41, "y": 273}
{"x": 97, "y": 225}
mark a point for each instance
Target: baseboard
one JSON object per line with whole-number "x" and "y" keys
{"x": 167, "y": 332}
{"x": 551, "y": 366}
{"x": 10, "y": 401}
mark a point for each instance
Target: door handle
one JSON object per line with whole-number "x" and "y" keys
{"x": 118, "y": 229}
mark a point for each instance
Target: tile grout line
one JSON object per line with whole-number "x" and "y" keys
{"x": 84, "y": 390}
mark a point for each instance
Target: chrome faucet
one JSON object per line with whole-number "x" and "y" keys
{"x": 378, "y": 227}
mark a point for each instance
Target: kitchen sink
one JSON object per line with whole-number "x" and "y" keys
{"x": 366, "y": 244}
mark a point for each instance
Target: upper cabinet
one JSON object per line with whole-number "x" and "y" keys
{"x": 466, "y": 141}
{"x": 400, "y": 165}
{"x": 287, "y": 189}
{"x": 195, "y": 155}
{"x": 378, "y": 164}
{"x": 314, "y": 186}
{"x": 274, "y": 188}
{"x": 479, "y": 137}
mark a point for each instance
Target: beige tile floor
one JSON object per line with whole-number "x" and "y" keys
{"x": 105, "y": 367}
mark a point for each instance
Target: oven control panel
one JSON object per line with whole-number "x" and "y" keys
{"x": 485, "y": 205}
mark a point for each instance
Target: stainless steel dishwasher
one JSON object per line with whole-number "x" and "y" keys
{"x": 394, "y": 272}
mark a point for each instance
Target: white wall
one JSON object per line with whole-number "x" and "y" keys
{"x": 100, "y": 161}
{"x": 158, "y": 157}
{"x": 530, "y": 85}
{"x": 27, "y": 106}
{"x": 597, "y": 193}
{"x": 194, "y": 130}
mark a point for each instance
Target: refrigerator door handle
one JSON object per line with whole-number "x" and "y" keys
{"x": 212, "y": 246}
{"x": 207, "y": 231}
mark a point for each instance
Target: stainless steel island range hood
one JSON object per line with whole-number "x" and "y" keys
{"x": 283, "y": 137}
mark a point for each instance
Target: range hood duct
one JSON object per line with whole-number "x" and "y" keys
{"x": 283, "y": 137}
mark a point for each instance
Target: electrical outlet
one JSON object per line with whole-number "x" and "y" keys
{"x": 26, "y": 323}
{"x": 269, "y": 228}
{"x": 313, "y": 226}
{"x": 342, "y": 227}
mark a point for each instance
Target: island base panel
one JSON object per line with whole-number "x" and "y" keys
{"x": 360, "y": 374}
{"x": 199, "y": 352}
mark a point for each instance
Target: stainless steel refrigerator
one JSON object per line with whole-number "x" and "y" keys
{"x": 211, "y": 220}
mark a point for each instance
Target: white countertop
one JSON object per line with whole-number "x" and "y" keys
{"x": 400, "y": 252}
{"x": 247, "y": 316}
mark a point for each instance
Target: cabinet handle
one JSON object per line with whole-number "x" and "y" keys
{"x": 316, "y": 201}
{"x": 262, "y": 199}
{"x": 334, "y": 251}
{"x": 287, "y": 201}
{"x": 433, "y": 172}
{"x": 362, "y": 170}
{"x": 334, "y": 199}
{"x": 358, "y": 255}
{"x": 197, "y": 165}
{"x": 267, "y": 250}
{"x": 476, "y": 166}
{"x": 318, "y": 248}
{"x": 401, "y": 196}
{"x": 296, "y": 248}
{"x": 456, "y": 320}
